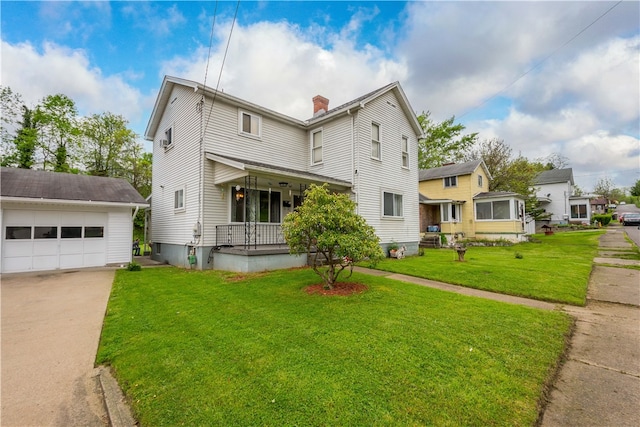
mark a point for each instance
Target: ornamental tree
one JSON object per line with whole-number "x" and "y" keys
{"x": 334, "y": 237}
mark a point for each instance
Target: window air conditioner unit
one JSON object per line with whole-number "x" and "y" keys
{"x": 164, "y": 143}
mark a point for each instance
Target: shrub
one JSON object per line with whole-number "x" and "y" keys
{"x": 603, "y": 219}
{"x": 134, "y": 266}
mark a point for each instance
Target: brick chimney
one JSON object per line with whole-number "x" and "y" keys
{"x": 320, "y": 105}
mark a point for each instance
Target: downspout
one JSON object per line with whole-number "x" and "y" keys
{"x": 354, "y": 170}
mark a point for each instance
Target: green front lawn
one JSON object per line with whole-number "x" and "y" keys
{"x": 212, "y": 348}
{"x": 556, "y": 268}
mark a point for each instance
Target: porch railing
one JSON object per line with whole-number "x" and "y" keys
{"x": 251, "y": 235}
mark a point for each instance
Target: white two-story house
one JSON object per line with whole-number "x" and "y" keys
{"x": 226, "y": 172}
{"x": 556, "y": 193}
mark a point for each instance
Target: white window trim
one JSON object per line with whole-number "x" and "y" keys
{"x": 391, "y": 217}
{"x": 379, "y": 141}
{"x": 184, "y": 199}
{"x": 444, "y": 182}
{"x": 511, "y": 210}
{"x": 248, "y": 134}
{"x": 446, "y": 207}
{"x": 171, "y": 140}
{"x": 402, "y": 152}
{"x": 311, "y": 148}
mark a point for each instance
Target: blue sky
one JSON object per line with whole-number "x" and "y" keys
{"x": 547, "y": 77}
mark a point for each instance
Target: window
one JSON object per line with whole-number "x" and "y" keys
{"x": 178, "y": 199}
{"x": 93, "y": 232}
{"x": 479, "y": 180}
{"x": 316, "y": 147}
{"x": 45, "y": 233}
{"x": 250, "y": 124}
{"x": 578, "y": 211}
{"x": 392, "y": 204}
{"x": 262, "y": 206}
{"x": 451, "y": 181}
{"x": 375, "y": 141}
{"x": 450, "y": 212}
{"x": 71, "y": 232}
{"x": 18, "y": 233}
{"x": 493, "y": 210}
{"x": 405, "y": 152}
{"x": 168, "y": 138}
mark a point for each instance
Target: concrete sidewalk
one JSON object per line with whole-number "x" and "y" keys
{"x": 599, "y": 384}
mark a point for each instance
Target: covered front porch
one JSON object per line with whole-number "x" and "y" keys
{"x": 257, "y": 197}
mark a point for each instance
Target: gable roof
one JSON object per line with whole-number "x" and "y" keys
{"x": 554, "y": 176}
{"x": 361, "y": 101}
{"x": 456, "y": 169}
{"x": 26, "y": 184}
{"x": 169, "y": 82}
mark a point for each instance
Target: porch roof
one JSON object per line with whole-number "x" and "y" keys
{"x": 272, "y": 170}
{"x": 427, "y": 201}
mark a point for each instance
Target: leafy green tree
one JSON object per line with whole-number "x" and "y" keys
{"x": 635, "y": 189}
{"x": 58, "y": 132}
{"x": 327, "y": 229}
{"x": 442, "y": 142}
{"x": 106, "y": 141}
{"x": 26, "y": 141}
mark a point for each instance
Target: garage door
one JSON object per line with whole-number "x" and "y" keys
{"x": 48, "y": 240}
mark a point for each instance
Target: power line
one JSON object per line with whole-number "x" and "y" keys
{"x": 541, "y": 62}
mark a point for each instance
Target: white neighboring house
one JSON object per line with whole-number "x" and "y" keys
{"x": 555, "y": 191}
{"x": 226, "y": 172}
{"x": 55, "y": 220}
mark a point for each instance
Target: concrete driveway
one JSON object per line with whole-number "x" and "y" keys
{"x": 51, "y": 324}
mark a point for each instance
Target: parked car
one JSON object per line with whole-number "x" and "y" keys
{"x": 631, "y": 219}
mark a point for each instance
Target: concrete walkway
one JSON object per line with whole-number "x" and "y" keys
{"x": 599, "y": 384}
{"x": 51, "y": 324}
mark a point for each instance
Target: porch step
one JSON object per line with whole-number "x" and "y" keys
{"x": 430, "y": 240}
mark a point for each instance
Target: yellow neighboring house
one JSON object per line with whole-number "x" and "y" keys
{"x": 455, "y": 200}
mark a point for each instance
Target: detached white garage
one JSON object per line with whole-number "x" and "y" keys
{"x": 58, "y": 221}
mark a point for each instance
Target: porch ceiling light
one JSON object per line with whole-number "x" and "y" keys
{"x": 283, "y": 184}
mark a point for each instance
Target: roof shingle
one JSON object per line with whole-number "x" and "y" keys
{"x": 33, "y": 184}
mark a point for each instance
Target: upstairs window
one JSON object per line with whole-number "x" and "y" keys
{"x": 167, "y": 141}
{"x": 375, "y": 141}
{"x": 249, "y": 124}
{"x": 451, "y": 181}
{"x": 316, "y": 147}
{"x": 479, "y": 180}
{"x": 392, "y": 205}
{"x": 178, "y": 199}
{"x": 405, "y": 152}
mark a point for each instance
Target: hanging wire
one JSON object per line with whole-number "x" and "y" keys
{"x": 539, "y": 63}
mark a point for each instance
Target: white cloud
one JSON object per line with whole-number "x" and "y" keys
{"x": 277, "y": 66}
{"x": 55, "y": 69}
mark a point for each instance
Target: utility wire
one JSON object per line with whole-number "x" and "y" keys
{"x": 224, "y": 58}
{"x": 541, "y": 62}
